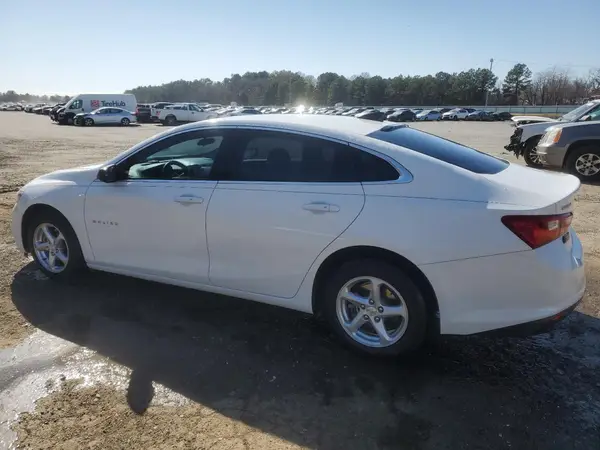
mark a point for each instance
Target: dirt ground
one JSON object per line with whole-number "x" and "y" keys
{"x": 112, "y": 362}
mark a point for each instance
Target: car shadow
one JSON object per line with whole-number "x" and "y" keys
{"x": 282, "y": 372}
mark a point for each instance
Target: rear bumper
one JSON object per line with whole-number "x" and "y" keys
{"x": 500, "y": 291}
{"x": 531, "y": 328}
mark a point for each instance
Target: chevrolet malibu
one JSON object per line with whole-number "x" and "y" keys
{"x": 386, "y": 232}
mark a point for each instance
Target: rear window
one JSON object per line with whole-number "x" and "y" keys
{"x": 448, "y": 151}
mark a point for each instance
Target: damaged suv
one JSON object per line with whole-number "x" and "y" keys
{"x": 525, "y": 138}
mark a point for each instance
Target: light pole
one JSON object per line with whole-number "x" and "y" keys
{"x": 487, "y": 91}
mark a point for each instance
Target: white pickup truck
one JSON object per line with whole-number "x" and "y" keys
{"x": 183, "y": 112}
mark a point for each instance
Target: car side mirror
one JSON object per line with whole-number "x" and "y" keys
{"x": 586, "y": 118}
{"x": 108, "y": 174}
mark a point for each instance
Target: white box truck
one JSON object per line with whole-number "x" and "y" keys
{"x": 90, "y": 102}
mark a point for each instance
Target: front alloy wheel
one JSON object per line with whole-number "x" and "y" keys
{"x": 530, "y": 154}
{"x": 88, "y": 122}
{"x": 50, "y": 248}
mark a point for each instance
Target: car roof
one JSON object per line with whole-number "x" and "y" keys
{"x": 337, "y": 127}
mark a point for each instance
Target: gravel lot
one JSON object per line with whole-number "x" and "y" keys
{"x": 114, "y": 363}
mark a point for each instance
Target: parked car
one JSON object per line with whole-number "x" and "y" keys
{"x": 405, "y": 115}
{"x": 183, "y": 112}
{"x": 245, "y": 110}
{"x": 29, "y": 108}
{"x": 480, "y": 116}
{"x": 573, "y": 147}
{"x": 106, "y": 116}
{"x": 143, "y": 113}
{"x": 9, "y": 107}
{"x": 353, "y": 111}
{"x": 369, "y": 254}
{"x": 38, "y": 109}
{"x": 47, "y": 109}
{"x": 371, "y": 114}
{"x": 455, "y": 114}
{"x": 429, "y": 115}
{"x": 525, "y": 138}
{"x": 502, "y": 115}
{"x": 55, "y": 111}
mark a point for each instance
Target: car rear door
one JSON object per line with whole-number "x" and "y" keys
{"x": 284, "y": 201}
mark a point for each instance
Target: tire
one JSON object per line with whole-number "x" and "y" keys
{"x": 88, "y": 122}
{"x": 125, "y": 121}
{"x": 584, "y": 156}
{"x": 170, "y": 120}
{"x": 406, "y": 335}
{"x": 530, "y": 154}
{"x": 67, "y": 246}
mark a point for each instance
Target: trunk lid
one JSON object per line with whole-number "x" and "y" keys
{"x": 548, "y": 192}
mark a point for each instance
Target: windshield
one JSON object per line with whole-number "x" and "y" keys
{"x": 573, "y": 115}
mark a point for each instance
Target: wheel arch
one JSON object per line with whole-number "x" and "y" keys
{"x": 578, "y": 144}
{"x": 30, "y": 213}
{"x": 333, "y": 261}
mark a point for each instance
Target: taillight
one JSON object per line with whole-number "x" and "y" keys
{"x": 158, "y": 113}
{"x": 536, "y": 231}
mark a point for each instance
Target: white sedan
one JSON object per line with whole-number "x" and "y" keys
{"x": 429, "y": 115}
{"x": 106, "y": 116}
{"x": 387, "y": 232}
{"x": 455, "y": 114}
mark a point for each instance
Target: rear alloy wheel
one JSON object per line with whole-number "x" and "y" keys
{"x": 125, "y": 121}
{"x": 584, "y": 163}
{"x": 374, "y": 307}
{"x": 170, "y": 120}
{"x": 88, "y": 122}
{"x": 530, "y": 154}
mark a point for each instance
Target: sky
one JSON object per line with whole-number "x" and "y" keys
{"x": 107, "y": 46}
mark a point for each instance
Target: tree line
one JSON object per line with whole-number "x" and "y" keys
{"x": 13, "y": 97}
{"x": 519, "y": 87}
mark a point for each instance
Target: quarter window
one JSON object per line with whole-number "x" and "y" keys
{"x": 287, "y": 157}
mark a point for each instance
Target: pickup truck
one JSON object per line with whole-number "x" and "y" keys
{"x": 573, "y": 147}
{"x": 155, "y": 108}
{"x": 525, "y": 138}
{"x": 183, "y": 112}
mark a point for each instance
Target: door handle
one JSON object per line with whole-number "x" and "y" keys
{"x": 186, "y": 199}
{"x": 320, "y": 207}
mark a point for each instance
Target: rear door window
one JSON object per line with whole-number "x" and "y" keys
{"x": 442, "y": 149}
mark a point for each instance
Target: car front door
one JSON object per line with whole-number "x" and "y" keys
{"x": 195, "y": 114}
{"x": 286, "y": 199}
{"x": 99, "y": 116}
{"x": 152, "y": 221}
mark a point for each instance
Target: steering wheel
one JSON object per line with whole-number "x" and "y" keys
{"x": 174, "y": 169}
